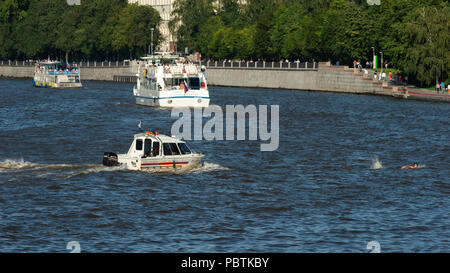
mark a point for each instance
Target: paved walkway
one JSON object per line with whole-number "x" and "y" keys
{"x": 390, "y": 88}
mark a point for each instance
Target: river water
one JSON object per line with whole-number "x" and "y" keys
{"x": 333, "y": 185}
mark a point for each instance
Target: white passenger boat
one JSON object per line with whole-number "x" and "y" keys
{"x": 56, "y": 75}
{"x": 154, "y": 152}
{"x": 171, "y": 81}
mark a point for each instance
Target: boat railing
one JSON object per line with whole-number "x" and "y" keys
{"x": 76, "y": 72}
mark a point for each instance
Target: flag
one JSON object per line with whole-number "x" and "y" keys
{"x": 186, "y": 88}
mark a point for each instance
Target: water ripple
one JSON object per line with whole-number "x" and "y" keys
{"x": 333, "y": 185}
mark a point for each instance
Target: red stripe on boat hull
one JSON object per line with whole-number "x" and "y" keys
{"x": 163, "y": 164}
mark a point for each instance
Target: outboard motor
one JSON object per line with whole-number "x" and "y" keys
{"x": 110, "y": 159}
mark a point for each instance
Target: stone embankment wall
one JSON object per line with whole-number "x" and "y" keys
{"x": 325, "y": 78}
{"x": 321, "y": 77}
{"x": 104, "y": 72}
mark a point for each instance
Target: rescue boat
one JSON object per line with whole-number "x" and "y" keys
{"x": 155, "y": 152}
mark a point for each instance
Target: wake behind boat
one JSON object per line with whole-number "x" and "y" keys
{"x": 56, "y": 75}
{"x": 171, "y": 81}
{"x": 155, "y": 152}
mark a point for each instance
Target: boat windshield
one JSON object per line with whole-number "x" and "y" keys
{"x": 194, "y": 82}
{"x": 184, "y": 148}
{"x": 156, "y": 60}
{"x": 178, "y": 83}
{"x": 171, "y": 149}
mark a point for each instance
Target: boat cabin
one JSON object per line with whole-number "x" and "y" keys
{"x": 151, "y": 144}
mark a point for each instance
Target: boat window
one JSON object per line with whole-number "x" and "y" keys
{"x": 167, "y": 150}
{"x": 153, "y": 84}
{"x": 171, "y": 149}
{"x": 173, "y": 83}
{"x": 147, "y": 147}
{"x": 194, "y": 83}
{"x": 138, "y": 144}
{"x": 184, "y": 148}
{"x": 174, "y": 148}
{"x": 155, "y": 151}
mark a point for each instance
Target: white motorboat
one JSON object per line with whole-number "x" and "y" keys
{"x": 154, "y": 152}
{"x": 56, "y": 75}
{"x": 171, "y": 81}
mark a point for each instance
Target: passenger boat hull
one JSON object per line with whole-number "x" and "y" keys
{"x": 56, "y": 85}
{"x": 170, "y": 99}
{"x": 173, "y": 102}
{"x": 171, "y": 164}
{"x": 162, "y": 164}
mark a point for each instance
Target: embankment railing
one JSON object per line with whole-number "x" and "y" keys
{"x": 81, "y": 64}
{"x": 209, "y": 64}
{"x": 262, "y": 65}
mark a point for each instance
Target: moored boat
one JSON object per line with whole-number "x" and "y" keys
{"x": 56, "y": 75}
{"x": 154, "y": 152}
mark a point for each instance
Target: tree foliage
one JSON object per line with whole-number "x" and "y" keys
{"x": 96, "y": 29}
{"x": 412, "y": 34}
{"x": 426, "y": 35}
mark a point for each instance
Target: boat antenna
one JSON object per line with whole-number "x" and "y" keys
{"x": 152, "y": 29}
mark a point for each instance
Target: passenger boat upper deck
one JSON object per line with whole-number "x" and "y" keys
{"x": 56, "y": 75}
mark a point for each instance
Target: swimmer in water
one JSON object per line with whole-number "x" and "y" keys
{"x": 415, "y": 165}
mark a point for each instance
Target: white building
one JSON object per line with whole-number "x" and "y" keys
{"x": 164, "y": 7}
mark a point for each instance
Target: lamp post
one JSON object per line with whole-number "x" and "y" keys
{"x": 381, "y": 63}
{"x": 152, "y": 29}
{"x": 373, "y": 57}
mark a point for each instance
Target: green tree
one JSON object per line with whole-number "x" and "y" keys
{"x": 70, "y": 37}
{"x": 426, "y": 36}
{"x": 11, "y": 13}
{"x": 38, "y": 32}
{"x": 262, "y": 40}
{"x": 205, "y": 43}
{"x": 137, "y": 21}
{"x": 288, "y": 32}
{"x": 97, "y": 29}
{"x": 229, "y": 12}
{"x": 97, "y": 14}
{"x": 345, "y": 36}
{"x": 189, "y": 16}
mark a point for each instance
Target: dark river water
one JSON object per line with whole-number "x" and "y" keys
{"x": 333, "y": 185}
